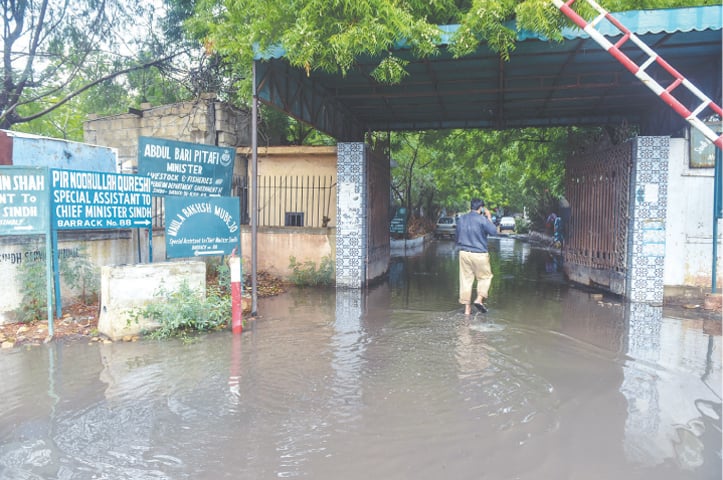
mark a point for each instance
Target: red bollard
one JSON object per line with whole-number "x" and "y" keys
{"x": 234, "y": 264}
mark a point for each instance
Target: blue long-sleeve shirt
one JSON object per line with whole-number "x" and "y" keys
{"x": 472, "y": 231}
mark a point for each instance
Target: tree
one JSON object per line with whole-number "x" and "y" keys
{"x": 516, "y": 170}
{"x": 55, "y": 50}
{"x": 329, "y": 35}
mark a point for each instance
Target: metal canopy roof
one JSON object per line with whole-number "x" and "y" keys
{"x": 545, "y": 83}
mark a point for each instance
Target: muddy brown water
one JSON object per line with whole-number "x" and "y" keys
{"x": 393, "y": 382}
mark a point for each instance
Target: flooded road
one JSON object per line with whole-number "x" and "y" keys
{"x": 390, "y": 383}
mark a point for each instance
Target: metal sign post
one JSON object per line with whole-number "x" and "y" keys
{"x": 85, "y": 200}
{"x": 717, "y": 212}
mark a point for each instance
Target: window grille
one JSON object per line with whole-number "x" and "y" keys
{"x": 294, "y": 219}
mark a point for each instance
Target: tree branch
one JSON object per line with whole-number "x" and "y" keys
{"x": 95, "y": 82}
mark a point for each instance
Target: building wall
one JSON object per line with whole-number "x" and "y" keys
{"x": 295, "y": 160}
{"x": 689, "y": 222}
{"x": 22, "y": 149}
{"x": 116, "y": 247}
{"x": 296, "y": 179}
{"x": 276, "y": 246}
{"x": 205, "y": 120}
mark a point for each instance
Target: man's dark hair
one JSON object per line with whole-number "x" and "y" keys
{"x": 476, "y": 203}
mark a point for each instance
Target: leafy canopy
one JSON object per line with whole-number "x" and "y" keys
{"x": 515, "y": 170}
{"x": 329, "y": 35}
{"x": 54, "y": 51}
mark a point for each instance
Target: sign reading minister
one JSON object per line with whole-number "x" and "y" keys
{"x": 183, "y": 169}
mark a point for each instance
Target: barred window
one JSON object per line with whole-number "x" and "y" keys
{"x": 294, "y": 219}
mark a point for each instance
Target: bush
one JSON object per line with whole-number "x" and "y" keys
{"x": 306, "y": 274}
{"x": 81, "y": 275}
{"x": 34, "y": 303}
{"x": 186, "y": 310}
{"x": 522, "y": 225}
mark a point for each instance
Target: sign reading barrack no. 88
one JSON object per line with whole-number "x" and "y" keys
{"x": 89, "y": 200}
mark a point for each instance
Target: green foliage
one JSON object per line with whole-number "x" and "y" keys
{"x": 80, "y": 273}
{"x": 32, "y": 278}
{"x": 522, "y": 225}
{"x": 306, "y": 273}
{"x": 223, "y": 277}
{"x": 58, "y": 51}
{"x": 323, "y": 35}
{"x": 513, "y": 169}
{"x": 185, "y": 311}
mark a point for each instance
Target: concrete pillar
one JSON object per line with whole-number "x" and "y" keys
{"x": 646, "y": 232}
{"x": 351, "y": 212}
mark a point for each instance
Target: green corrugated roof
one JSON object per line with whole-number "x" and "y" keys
{"x": 573, "y": 82}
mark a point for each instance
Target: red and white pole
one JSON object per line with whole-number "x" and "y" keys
{"x": 234, "y": 264}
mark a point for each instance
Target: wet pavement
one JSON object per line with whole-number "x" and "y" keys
{"x": 389, "y": 383}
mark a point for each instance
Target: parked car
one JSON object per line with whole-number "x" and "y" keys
{"x": 507, "y": 223}
{"x": 446, "y": 227}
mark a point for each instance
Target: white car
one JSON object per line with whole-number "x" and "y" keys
{"x": 446, "y": 227}
{"x": 507, "y": 223}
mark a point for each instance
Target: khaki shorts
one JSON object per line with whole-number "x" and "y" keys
{"x": 474, "y": 266}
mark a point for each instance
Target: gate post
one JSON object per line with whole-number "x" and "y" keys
{"x": 351, "y": 215}
{"x": 646, "y": 232}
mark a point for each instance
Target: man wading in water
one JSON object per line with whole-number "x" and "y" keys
{"x": 474, "y": 260}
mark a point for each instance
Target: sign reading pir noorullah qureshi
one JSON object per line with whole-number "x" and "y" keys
{"x": 186, "y": 169}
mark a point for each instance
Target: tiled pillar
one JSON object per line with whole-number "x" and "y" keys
{"x": 646, "y": 239}
{"x": 351, "y": 223}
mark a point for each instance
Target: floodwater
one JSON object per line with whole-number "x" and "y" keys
{"x": 390, "y": 383}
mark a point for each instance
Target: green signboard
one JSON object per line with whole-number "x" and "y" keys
{"x": 99, "y": 200}
{"x": 24, "y": 207}
{"x": 186, "y": 169}
{"x": 201, "y": 226}
{"x": 23, "y": 200}
{"x": 399, "y": 222}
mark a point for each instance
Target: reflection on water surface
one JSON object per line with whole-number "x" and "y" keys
{"x": 392, "y": 382}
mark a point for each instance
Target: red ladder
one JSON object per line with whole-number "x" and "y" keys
{"x": 665, "y": 94}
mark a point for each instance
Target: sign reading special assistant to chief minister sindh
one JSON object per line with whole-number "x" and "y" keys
{"x": 99, "y": 200}
{"x": 186, "y": 169}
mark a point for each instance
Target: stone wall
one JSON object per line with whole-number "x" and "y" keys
{"x": 205, "y": 120}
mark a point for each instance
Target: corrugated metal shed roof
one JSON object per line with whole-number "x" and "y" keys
{"x": 573, "y": 82}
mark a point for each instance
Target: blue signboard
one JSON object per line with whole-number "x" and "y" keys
{"x": 201, "y": 226}
{"x": 99, "y": 200}
{"x": 32, "y": 150}
{"x": 186, "y": 169}
{"x": 23, "y": 200}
